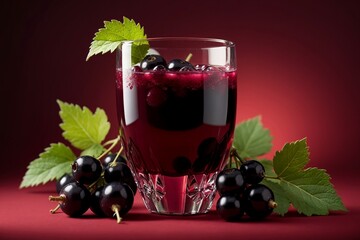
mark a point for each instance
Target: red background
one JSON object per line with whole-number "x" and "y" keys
{"x": 298, "y": 67}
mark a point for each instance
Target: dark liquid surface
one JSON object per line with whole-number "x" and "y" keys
{"x": 177, "y": 123}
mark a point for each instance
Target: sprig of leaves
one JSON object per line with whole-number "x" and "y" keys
{"x": 51, "y": 164}
{"x": 110, "y": 37}
{"x": 308, "y": 190}
{"x": 83, "y": 129}
{"x": 79, "y": 126}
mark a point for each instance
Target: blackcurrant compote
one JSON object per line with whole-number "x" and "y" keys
{"x": 176, "y": 112}
{"x": 171, "y": 138}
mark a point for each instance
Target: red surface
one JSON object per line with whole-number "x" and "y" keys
{"x": 25, "y": 215}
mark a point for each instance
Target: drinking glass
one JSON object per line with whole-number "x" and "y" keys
{"x": 177, "y": 124}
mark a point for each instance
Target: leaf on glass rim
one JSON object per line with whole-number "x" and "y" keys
{"x": 54, "y": 162}
{"x": 309, "y": 190}
{"x": 138, "y": 51}
{"x": 251, "y": 139}
{"x": 110, "y": 37}
{"x": 81, "y": 127}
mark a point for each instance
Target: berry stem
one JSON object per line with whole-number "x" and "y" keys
{"x": 52, "y": 211}
{"x": 116, "y": 208}
{"x": 115, "y": 141}
{"x": 92, "y": 187}
{"x": 237, "y": 163}
{"x": 272, "y": 204}
{"x": 110, "y": 142}
{"x": 117, "y": 155}
{"x": 237, "y": 156}
{"x": 60, "y": 198}
{"x": 234, "y": 156}
{"x": 234, "y": 160}
{"x": 189, "y": 56}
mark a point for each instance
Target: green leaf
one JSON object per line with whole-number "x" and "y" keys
{"x": 81, "y": 127}
{"x": 52, "y": 164}
{"x": 252, "y": 139}
{"x": 311, "y": 192}
{"x": 280, "y": 196}
{"x": 94, "y": 150}
{"x": 139, "y": 51}
{"x": 292, "y": 158}
{"x": 110, "y": 37}
{"x": 270, "y": 181}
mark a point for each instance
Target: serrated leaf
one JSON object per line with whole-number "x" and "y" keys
{"x": 311, "y": 192}
{"x": 139, "y": 51}
{"x": 81, "y": 127}
{"x": 283, "y": 203}
{"x": 274, "y": 184}
{"x": 94, "y": 150}
{"x": 251, "y": 139}
{"x": 51, "y": 164}
{"x": 292, "y": 158}
{"x": 110, "y": 37}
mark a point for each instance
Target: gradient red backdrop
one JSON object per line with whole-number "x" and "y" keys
{"x": 298, "y": 67}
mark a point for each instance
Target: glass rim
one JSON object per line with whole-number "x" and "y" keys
{"x": 225, "y": 43}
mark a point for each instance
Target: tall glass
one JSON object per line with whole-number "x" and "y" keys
{"x": 177, "y": 126}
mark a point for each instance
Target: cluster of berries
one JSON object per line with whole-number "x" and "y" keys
{"x": 241, "y": 192}
{"x": 158, "y": 63}
{"x": 106, "y": 188}
{"x": 155, "y": 62}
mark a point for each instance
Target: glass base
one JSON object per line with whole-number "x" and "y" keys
{"x": 184, "y": 195}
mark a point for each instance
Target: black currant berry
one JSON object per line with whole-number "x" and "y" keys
{"x": 116, "y": 199}
{"x": 206, "y": 153}
{"x": 180, "y": 65}
{"x": 207, "y": 147}
{"x": 151, "y": 61}
{"x": 120, "y": 172}
{"x": 229, "y": 207}
{"x": 86, "y": 169}
{"x": 253, "y": 171}
{"x": 219, "y": 154}
{"x": 230, "y": 181}
{"x": 64, "y": 180}
{"x": 259, "y": 201}
{"x": 74, "y": 199}
{"x": 110, "y": 158}
{"x": 95, "y": 202}
{"x": 156, "y": 97}
{"x": 182, "y": 165}
{"x": 159, "y": 68}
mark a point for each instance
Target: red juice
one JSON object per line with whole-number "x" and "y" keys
{"x": 177, "y": 129}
